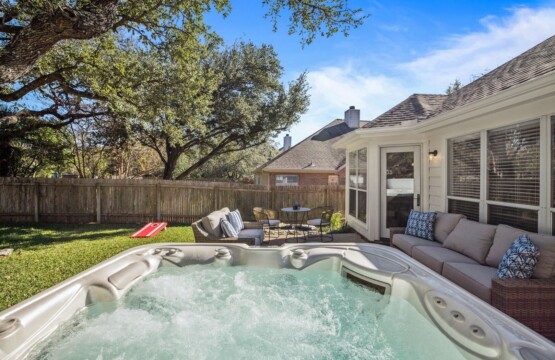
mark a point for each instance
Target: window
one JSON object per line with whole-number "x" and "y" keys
{"x": 333, "y": 179}
{"x": 287, "y": 179}
{"x": 464, "y": 176}
{"x": 470, "y": 209}
{"x": 514, "y": 164}
{"x": 511, "y": 177}
{"x": 357, "y": 184}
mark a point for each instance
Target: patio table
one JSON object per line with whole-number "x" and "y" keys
{"x": 295, "y": 218}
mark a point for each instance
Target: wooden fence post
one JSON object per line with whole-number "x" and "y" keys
{"x": 98, "y": 210}
{"x": 36, "y": 200}
{"x": 158, "y": 204}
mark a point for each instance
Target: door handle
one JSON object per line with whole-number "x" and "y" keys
{"x": 417, "y": 199}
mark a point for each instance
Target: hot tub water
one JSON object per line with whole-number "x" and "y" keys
{"x": 210, "y": 312}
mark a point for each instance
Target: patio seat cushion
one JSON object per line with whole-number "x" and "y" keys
{"x": 211, "y": 223}
{"x": 421, "y": 224}
{"x": 434, "y": 257}
{"x": 407, "y": 242}
{"x": 316, "y": 222}
{"x": 520, "y": 260}
{"x": 474, "y": 278}
{"x": 472, "y": 239}
{"x": 504, "y": 238}
{"x": 256, "y": 234}
{"x": 445, "y": 223}
{"x": 235, "y": 219}
{"x": 228, "y": 229}
{"x": 270, "y": 222}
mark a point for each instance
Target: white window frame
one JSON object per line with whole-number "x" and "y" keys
{"x": 463, "y": 198}
{"x": 545, "y": 208}
{"x": 356, "y": 188}
{"x": 287, "y": 183}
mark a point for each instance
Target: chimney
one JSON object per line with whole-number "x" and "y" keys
{"x": 352, "y": 117}
{"x": 286, "y": 142}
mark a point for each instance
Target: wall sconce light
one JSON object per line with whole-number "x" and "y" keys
{"x": 433, "y": 154}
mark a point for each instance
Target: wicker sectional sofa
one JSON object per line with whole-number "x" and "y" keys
{"x": 468, "y": 253}
{"x": 208, "y": 230}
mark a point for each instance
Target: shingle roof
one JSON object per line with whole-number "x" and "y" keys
{"x": 415, "y": 107}
{"x": 315, "y": 152}
{"x": 535, "y": 62}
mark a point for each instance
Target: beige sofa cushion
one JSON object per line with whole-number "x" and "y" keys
{"x": 504, "y": 236}
{"x": 474, "y": 278}
{"x": 211, "y": 223}
{"x": 472, "y": 239}
{"x": 445, "y": 223}
{"x": 407, "y": 242}
{"x": 434, "y": 257}
{"x": 545, "y": 268}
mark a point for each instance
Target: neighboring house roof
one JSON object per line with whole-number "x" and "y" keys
{"x": 315, "y": 153}
{"x": 415, "y": 107}
{"x": 535, "y": 62}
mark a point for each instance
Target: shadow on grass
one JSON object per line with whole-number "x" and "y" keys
{"x": 28, "y": 236}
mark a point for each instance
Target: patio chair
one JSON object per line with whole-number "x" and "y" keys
{"x": 268, "y": 218}
{"x": 321, "y": 217}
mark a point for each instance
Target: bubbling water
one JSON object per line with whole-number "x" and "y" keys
{"x": 205, "y": 312}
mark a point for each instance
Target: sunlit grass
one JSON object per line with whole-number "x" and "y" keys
{"x": 45, "y": 255}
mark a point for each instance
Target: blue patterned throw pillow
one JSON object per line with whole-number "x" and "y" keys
{"x": 228, "y": 229}
{"x": 421, "y": 224}
{"x": 235, "y": 219}
{"x": 520, "y": 260}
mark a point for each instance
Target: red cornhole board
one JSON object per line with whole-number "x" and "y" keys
{"x": 150, "y": 229}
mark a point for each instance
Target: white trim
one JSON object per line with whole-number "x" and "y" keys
{"x": 513, "y": 205}
{"x": 474, "y": 200}
{"x": 483, "y": 216}
{"x": 543, "y": 222}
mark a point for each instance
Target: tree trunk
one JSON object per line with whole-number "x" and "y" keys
{"x": 42, "y": 33}
{"x": 7, "y": 159}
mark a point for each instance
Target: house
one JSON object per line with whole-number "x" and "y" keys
{"x": 313, "y": 161}
{"x": 486, "y": 151}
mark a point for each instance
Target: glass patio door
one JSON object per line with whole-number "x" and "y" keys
{"x": 400, "y": 186}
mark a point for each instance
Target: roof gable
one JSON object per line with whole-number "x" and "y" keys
{"x": 315, "y": 152}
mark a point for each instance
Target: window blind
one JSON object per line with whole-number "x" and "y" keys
{"x": 464, "y": 166}
{"x": 470, "y": 209}
{"x": 514, "y": 164}
{"x": 524, "y": 219}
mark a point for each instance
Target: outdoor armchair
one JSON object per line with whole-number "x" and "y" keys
{"x": 268, "y": 218}
{"x": 320, "y": 217}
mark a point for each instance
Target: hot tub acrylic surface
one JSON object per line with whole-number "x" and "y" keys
{"x": 213, "y": 301}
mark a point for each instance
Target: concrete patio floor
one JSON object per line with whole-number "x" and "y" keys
{"x": 337, "y": 238}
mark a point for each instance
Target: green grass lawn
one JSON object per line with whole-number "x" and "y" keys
{"x": 46, "y": 254}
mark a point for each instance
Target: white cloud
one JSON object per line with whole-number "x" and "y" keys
{"x": 334, "y": 89}
{"x": 466, "y": 56}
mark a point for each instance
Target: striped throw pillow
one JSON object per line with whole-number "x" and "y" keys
{"x": 228, "y": 229}
{"x": 235, "y": 219}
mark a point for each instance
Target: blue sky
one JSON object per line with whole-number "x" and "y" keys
{"x": 405, "y": 47}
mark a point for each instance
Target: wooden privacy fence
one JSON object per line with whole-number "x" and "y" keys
{"x": 140, "y": 201}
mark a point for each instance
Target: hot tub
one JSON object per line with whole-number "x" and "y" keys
{"x": 410, "y": 305}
